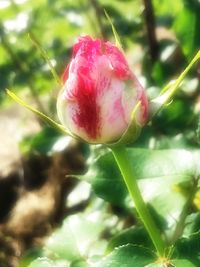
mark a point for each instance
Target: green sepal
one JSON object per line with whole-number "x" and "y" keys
{"x": 41, "y": 115}
{"x": 116, "y": 35}
{"x": 133, "y": 130}
{"x": 45, "y": 57}
{"x": 170, "y": 89}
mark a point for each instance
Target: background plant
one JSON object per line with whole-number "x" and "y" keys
{"x": 168, "y": 175}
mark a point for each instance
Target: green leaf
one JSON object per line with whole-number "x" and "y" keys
{"x": 157, "y": 264}
{"x": 74, "y": 239}
{"x": 182, "y": 263}
{"x": 186, "y": 26}
{"x": 173, "y": 263}
{"x": 162, "y": 8}
{"x": 126, "y": 256}
{"x": 80, "y": 263}
{"x": 192, "y": 224}
{"x": 188, "y": 248}
{"x": 105, "y": 178}
{"x": 156, "y": 170}
{"x": 133, "y": 235}
{"x": 185, "y": 34}
{"x": 42, "y": 262}
{"x": 30, "y": 256}
{"x": 44, "y": 117}
{"x": 45, "y": 262}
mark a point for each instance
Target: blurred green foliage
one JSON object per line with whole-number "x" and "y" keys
{"x": 55, "y": 25}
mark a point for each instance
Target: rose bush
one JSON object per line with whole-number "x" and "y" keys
{"x": 99, "y": 93}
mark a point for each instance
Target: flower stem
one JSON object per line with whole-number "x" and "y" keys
{"x": 123, "y": 161}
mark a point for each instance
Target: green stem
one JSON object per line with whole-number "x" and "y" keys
{"x": 122, "y": 159}
{"x": 180, "y": 226}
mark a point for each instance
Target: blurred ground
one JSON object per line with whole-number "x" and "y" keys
{"x": 33, "y": 188}
{"x": 13, "y": 126}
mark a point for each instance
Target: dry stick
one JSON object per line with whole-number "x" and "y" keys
{"x": 150, "y": 28}
{"x": 99, "y": 15}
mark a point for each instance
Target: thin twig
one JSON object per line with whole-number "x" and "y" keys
{"x": 150, "y": 28}
{"x": 180, "y": 226}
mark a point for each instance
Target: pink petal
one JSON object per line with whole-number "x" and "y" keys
{"x": 118, "y": 61}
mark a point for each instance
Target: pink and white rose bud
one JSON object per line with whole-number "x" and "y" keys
{"x": 100, "y": 93}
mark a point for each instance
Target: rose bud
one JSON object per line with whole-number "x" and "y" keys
{"x": 100, "y": 93}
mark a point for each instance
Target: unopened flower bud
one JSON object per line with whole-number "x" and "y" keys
{"x": 99, "y": 93}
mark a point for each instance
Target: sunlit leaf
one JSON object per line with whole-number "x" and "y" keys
{"x": 155, "y": 170}
{"x": 74, "y": 239}
{"x": 42, "y": 262}
{"x": 127, "y": 256}
{"x": 173, "y": 263}
{"x": 182, "y": 263}
{"x": 133, "y": 235}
